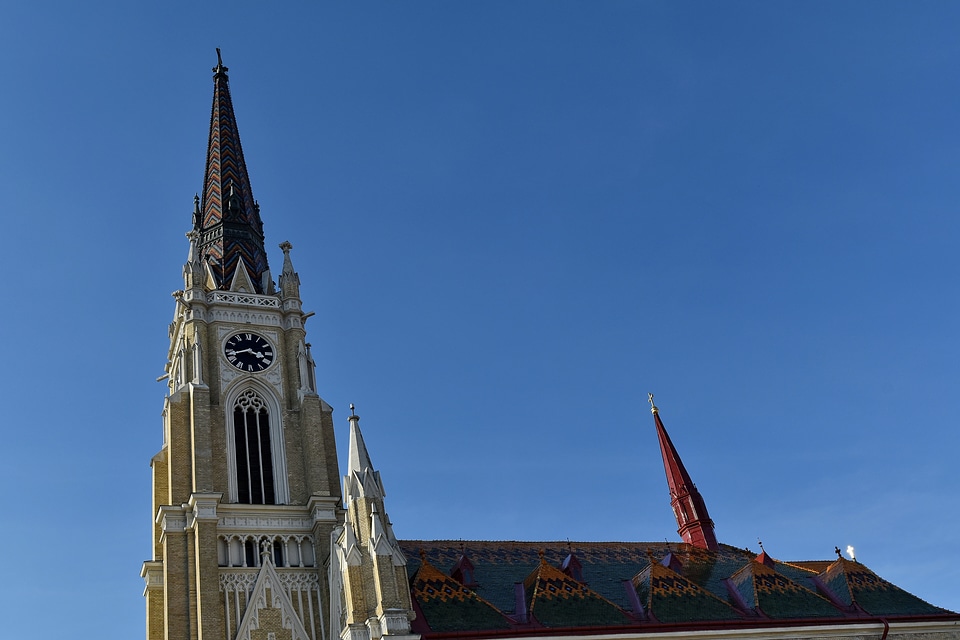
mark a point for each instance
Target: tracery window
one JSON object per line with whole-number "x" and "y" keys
{"x": 254, "y": 456}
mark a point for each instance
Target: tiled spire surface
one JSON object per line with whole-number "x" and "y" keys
{"x": 228, "y": 220}
{"x": 695, "y": 525}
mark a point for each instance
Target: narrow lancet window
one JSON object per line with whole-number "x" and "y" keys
{"x": 251, "y": 431}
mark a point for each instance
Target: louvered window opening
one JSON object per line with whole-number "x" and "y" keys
{"x": 251, "y": 429}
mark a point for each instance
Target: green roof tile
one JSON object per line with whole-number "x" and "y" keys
{"x": 776, "y": 596}
{"x": 449, "y": 606}
{"x": 557, "y": 600}
{"x": 853, "y": 582}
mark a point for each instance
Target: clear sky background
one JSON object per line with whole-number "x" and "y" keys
{"x": 513, "y": 220}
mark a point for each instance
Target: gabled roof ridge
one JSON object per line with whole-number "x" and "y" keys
{"x": 797, "y": 566}
{"x": 656, "y": 570}
{"x": 665, "y": 570}
{"x": 757, "y": 569}
{"x": 749, "y": 568}
{"x": 537, "y": 574}
{"x": 436, "y": 574}
{"x": 432, "y": 588}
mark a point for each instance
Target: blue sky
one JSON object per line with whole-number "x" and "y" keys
{"x": 513, "y": 220}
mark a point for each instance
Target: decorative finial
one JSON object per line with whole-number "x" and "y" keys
{"x": 761, "y": 545}
{"x": 353, "y": 414}
{"x": 653, "y": 407}
{"x": 837, "y": 551}
{"x": 285, "y": 246}
{"x": 219, "y": 68}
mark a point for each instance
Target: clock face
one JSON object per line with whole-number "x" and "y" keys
{"x": 248, "y": 352}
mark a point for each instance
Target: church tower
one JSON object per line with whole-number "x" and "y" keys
{"x": 246, "y": 485}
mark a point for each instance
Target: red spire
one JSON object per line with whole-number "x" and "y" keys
{"x": 696, "y": 527}
{"x": 228, "y": 220}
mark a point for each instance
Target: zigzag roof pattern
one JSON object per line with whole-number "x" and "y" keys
{"x": 856, "y": 585}
{"x": 771, "y": 594}
{"x": 447, "y": 605}
{"x": 626, "y": 585}
{"x": 555, "y": 599}
{"x": 667, "y": 596}
{"x": 228, "y": 217}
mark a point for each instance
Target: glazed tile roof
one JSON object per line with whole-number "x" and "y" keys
{"x": 555, "y": 599}
{"x": 772, "y": 594}
{"x": 669, "y": 597}
{"x": 520, "y": 585}
{"x": 857, "y": 585}
{"x": 228, "y": 218}
{"x": 449, "y": 605}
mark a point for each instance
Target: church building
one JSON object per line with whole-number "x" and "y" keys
{"x": 259, "y": 535}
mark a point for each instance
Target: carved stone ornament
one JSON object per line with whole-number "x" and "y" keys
{"x": 268, "y": 596}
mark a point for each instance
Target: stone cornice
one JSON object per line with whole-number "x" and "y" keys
{"x": 246, "y": 517}
{"x": 203, "y": 507}
{"x": 152, "y": 574}
{"x": 325, "y": 509}
{"x": 171, "y": 519}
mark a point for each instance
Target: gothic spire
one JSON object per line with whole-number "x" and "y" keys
{"x": 695, "y": 525}
{"x": 362, "y": 480}
{"x": 228, "y": 223}
{"x": 359, "y": 459}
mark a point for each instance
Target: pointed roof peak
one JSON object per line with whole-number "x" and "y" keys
{"x": 689, "y": 508}
{"x": 677, "y": 477}
{"x": 359, "y": 459}
{"x": 228, "y": 218}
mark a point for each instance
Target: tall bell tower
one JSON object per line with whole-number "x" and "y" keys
{"x": 246, "y": 485}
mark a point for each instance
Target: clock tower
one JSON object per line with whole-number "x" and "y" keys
{"x": 246, "y": 485}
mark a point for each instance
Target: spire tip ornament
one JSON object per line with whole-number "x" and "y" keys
{"x": 219, "y": 68}
{"x": 653, "y": 407}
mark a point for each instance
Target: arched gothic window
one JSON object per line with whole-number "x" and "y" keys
{"x": 254, "y": 456}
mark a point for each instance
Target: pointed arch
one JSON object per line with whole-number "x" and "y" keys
{"x": 256, "y": 459}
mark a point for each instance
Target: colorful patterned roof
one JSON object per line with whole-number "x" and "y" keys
{"x": 450, "y": 606}
{"x": 555, "y": 599}
{"x": 668, "y": 597}
{"x": 771, "y": 594}
{"x": 625, "y": 584}
{"x": 856, "y": 585}
{"x": 228, "y": 218}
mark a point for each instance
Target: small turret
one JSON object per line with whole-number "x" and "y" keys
{"x": 289, "y": 279}
{"x": 193, "y": 273}
{"x": 695, "y": 525}
{"x": 367, "y": 553}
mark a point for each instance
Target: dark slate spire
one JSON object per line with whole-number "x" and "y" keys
{"x": 695, "y": 525}
{"x": 228, "y": 223}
